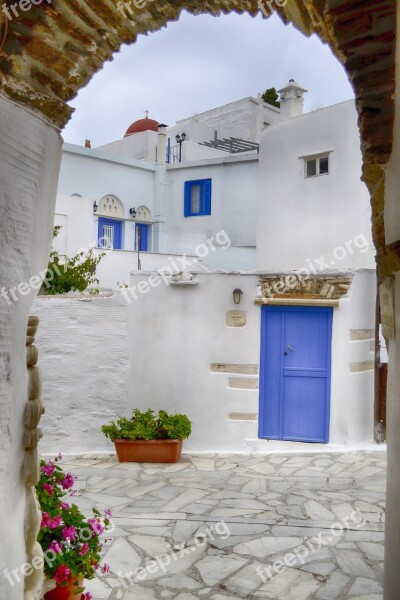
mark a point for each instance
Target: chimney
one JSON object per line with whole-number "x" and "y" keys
{"x": 292, "y": 100}
{"x": 161, "y": 144}
{"x": 88, "y": 144}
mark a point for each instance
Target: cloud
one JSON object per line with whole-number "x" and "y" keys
{"x": 198, "y": 63}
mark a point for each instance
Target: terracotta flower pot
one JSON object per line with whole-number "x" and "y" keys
{"x": 159, "y": 451}
{"x": 65, "y": 593}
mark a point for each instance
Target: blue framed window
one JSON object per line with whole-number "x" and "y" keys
{"x": 110, "y": 234}
{"x": 142, "y": 234}
{"x": 198, "y": 198}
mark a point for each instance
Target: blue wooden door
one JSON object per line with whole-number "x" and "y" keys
{"x": 295, "y": 373}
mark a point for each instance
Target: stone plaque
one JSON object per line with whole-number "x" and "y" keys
{"x": 236, "y": 318}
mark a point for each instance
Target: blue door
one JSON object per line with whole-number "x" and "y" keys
{"x": 110, "y": 234}
{"x": 142, "y": 234}
{"x": 295, "y": 373}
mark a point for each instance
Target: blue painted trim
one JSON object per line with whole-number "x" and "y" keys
{"x": 117, "y": 231}
{"x": 263, "y": 358}
{"x": 205, "y": 197}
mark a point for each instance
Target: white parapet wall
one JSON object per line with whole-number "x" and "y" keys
{"x": 84, "y": 357}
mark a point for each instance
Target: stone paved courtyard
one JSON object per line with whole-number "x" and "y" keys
{"x": 252, "y": 512}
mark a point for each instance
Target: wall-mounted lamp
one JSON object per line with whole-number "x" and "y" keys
{"x": 132, "y": 212}
{"x": 237, "y": 295}
{"x": 95, "y": 207}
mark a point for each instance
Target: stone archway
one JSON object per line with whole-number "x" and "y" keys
{"x": 49, "y": 49}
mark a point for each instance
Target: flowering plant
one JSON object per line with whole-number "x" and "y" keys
{"x": 70, "y": 541}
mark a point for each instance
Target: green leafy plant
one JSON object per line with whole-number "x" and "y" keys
{"x": 149, "y": 426}
{"x": 70, "y": 541}
{"x": 70, "y": 274}
{"x": 270, "y": 96}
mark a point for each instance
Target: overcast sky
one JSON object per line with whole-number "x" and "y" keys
{"x": 199, "y": 63}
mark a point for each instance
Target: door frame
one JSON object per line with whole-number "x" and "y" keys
{"x": 262, "y": 391}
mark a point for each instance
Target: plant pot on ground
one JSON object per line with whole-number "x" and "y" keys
{"x": 147, "y": 437}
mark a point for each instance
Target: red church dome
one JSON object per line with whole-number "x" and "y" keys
{"x": 142, "y": 125}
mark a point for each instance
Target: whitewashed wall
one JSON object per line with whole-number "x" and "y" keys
{"x": 140, "y": 146}
{"x": 182, "y": 331}
{"x": 84, "y": 358}
{"x": 243, "y": 118}
{"x": 102, "y": 358}
{"x": 233, "y": 203}
{"x": 116, "y": 266}
{"x": 29, "y": 164}
{"x": 94, "y": 174}
{"x": 298, "y": 218}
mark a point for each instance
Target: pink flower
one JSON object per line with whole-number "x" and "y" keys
{"x": 60, "y": 456}
{"x": 48, "y": 469}
{"x": 68, "y": 481}
{"x": 55, "y": 522}
{"x": 84, "y": 549}
{"x": 56, "y": 547}
{"x": 64, "y": 505}
{"x": 69, "y": 533}
{"x": 62, "y": 573}
{"x": 108, "y": 513}
{"x": 96, "y": 526}
{"x": 105, "y": 569}
{"x": 51, "y": 523}
{"x": 49, "y": 488}
{"x": 87, "y": 596}
{"x": 46, "y": 520}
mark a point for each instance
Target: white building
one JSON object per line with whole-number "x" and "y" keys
{"x": 266, "y": 338}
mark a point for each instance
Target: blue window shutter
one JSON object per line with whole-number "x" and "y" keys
{"x": 188, "y": 190}
{"x": 144, "y": 238}
{"x": 142, "y": 230}
{"x": 118, "y": 235}
{"x": 207, "y": 197}
{"x": 100, "y": 234}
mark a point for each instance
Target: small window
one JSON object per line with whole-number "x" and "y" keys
{"x": 318, "y": 165}
{"x": 198, "y": 198}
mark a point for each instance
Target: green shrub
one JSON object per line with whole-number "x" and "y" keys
{"x": 149, "y": 426}
{"x": 70, "y": 274}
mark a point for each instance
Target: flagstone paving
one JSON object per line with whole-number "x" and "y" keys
{"x": 293, "y": 527}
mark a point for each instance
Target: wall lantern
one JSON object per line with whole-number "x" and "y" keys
{"x": 237, "y": 295}
{"x": 132, "y": 212}
{"x": 179, "y": 140}
{"x": 95, "y": 206}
